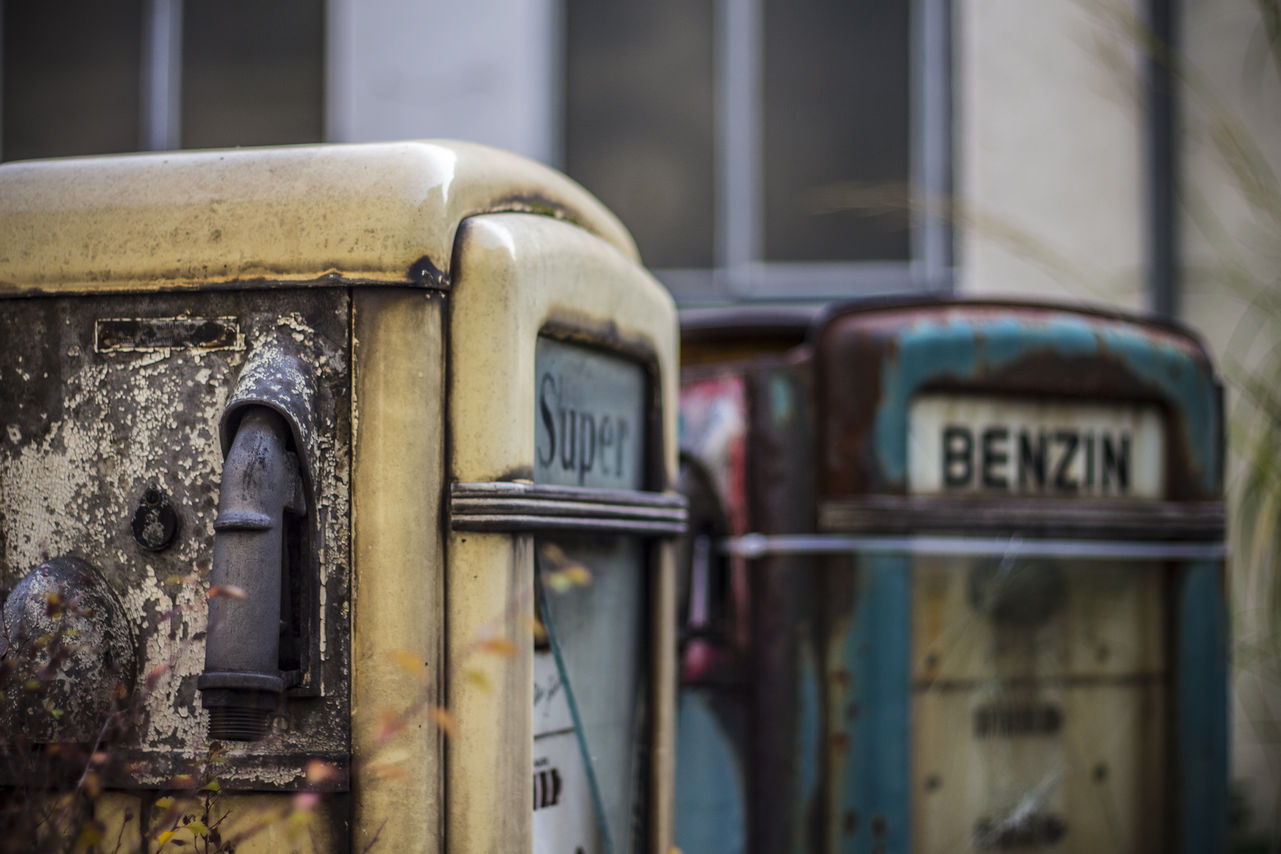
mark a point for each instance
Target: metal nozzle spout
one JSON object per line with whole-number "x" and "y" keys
{"x": 242, "y": 682}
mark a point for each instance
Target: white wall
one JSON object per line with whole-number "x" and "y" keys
{"x": 481, "y": 70}
{"x": 1048, "y": 147}
{"x": 1231, "y": 253}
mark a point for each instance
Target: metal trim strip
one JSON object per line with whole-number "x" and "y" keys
{"x": 525, "y": 507}
{"x": 1043, "y": 517}
{"x": 759, "y": 545}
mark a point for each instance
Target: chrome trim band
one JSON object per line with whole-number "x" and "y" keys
{"x": 1058, "y": 518}
{"x": 761, "y": 545}
{"x": 530, "y": 507}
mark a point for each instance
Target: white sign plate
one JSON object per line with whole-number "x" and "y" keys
{"x": 960, "y": 444}
{"x": 564, "y": 815}
{"x": 589, "y": 418}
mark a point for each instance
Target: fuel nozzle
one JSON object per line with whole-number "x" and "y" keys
{"x": 264, "y": 488}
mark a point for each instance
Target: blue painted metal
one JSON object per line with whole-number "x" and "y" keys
{"x": 849, "y": 630}
{"x": 874, "y": 780}
{"x": 968, "y": 349}
{"x": 711, "y": 792}
{"x": 809, "y": 748}
{"x": 1202, "y": 714}
{"x": 961, "y": 348}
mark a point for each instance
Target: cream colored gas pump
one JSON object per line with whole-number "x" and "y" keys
{"x": 369, "y": 448}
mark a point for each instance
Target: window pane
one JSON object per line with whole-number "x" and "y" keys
{"x": 71, "y": 77}
{"x": 836, "y": 144}
{"x": 252, "y": 72}
{"x": 640, "y": 120}
{"x": 590, "y": 701}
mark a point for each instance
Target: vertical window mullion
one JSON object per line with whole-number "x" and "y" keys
{"x": 1, "y": 81}
{"x": 162, "y": 75}
{"x": 739, "y": 128}
{"x": 931, "y": 136}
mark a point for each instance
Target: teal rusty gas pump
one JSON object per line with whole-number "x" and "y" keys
{"x": 1004, "y": 622}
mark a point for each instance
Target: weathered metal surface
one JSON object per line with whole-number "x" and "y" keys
{"x": 892, "y": 747}
{"x": 1031, "y": 351}
{"x": 516, "y": 279}
{"x": 741, "y": 334}
{"x": 229, "y": 253}
{"x": 167, "y": 333}
{"x": 278, "y": 378}
{"x": 67, "y": 653}
{"x": 244, "y": 675}
{"x": 155, "y": 522}
{"x": 377, "y": 213}
{"x": 515, "y": 507}
{"x": 88, "y": 430}
{"x": 785, "y": 601}
{"x": 397, "y": 599}
{"x": 1202, "y": 521}
{"x": 1006, "y": 383}
{"x": 746, "y": 418}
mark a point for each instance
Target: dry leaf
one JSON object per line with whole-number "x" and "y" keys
{"x": 558, "y": 582}
{"x": 306, "y": 801}
{"x": 153, "y": 677}
{"x": 389, "y": 725}
{"x": 552, "y": 552}
{"x": 443, "y": 719}
{"x": 578, "y": 575}
{"x": 319, "y": 772}
{"x": 409, "y": 662}
{"x": 498, "y": 646}
{"x": 477, "y": 677}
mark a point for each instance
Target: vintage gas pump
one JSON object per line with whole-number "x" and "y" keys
{"x": 1031, "y": 606}
{"x": 356, "y": 464}
{"x": 1005, "y": 622}
{"x": 743, "y": 716}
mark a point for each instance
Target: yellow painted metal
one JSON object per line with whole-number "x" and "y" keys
{"x": 120, "y": 815}
{"x": 379, "y": 213}
{"x": 397, "y": 645}
{"x": 257, "y": 823}
{"x": 516, "y": 277}
{"x": 371, "y": 215}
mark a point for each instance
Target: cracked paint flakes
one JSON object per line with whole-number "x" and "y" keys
{"x": 85, "y": 434}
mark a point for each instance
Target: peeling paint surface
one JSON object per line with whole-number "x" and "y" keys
{"x": 85, "y": 433}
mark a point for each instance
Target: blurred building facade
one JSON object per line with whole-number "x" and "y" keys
{"x": 778, "y": 150}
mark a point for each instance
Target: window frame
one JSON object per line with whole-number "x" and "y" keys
{"x": 741, "y": 271}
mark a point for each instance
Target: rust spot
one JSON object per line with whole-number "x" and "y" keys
{"x": 425, "y": 272}
{"x": 849, "y": 822}
{"x": 851, "y": 711}
{"x": 842, "y": 678}
{"x": 870, "y": 336}
{"x": 142, "y": 334}
{"x": 879, "y": 826}
{"x": 840, "y": 742}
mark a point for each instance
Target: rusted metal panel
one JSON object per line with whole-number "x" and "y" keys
{"x": 1007, "y": 350}
{"x": 785, "y": 601}
{"x": 746, "y": 416}
{"x": 97, "y": 430}
{"x": 887, "y": 616}
{"x": 943, "y": 418}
